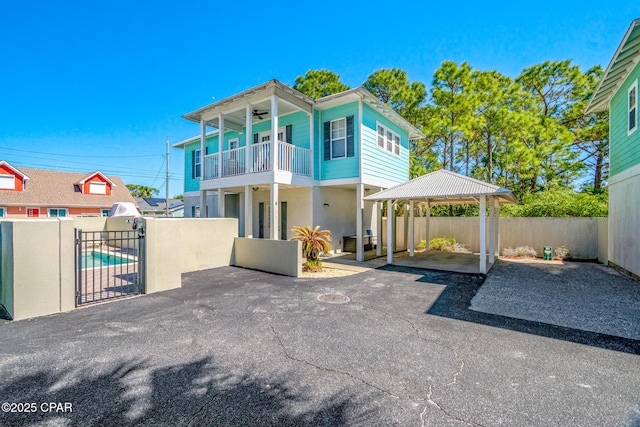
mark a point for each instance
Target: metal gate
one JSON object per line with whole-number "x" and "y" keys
{"x": 109, "y": 264}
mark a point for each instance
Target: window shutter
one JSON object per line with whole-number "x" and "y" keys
{"x": 350, "y": 144}
{"x": 288, "y": 137}
{"x": 327, "y": 140}
{"x": 255, "y": 138}
{"x": 206, "y": 150}
{"x": 193, "y": 164}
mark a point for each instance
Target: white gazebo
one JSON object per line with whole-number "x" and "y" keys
{"x": 444, "y": 187}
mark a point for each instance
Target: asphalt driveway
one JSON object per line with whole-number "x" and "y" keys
{"x": 240, "y": 347}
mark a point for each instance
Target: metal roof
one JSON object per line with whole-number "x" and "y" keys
{"x": 444, "y": 187}
{"x": 624, "y": 60}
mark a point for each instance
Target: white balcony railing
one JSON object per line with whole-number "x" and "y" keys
{"x": 210, "y": 166}
{"x": 294, "y": 159}
{"x": 291, "y": 158}
{"x": 233, "y": 162}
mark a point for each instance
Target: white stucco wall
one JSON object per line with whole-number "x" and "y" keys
{"x": 624, "y": 220}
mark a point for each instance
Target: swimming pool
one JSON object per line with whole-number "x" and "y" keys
{"x": 96, "y": 259}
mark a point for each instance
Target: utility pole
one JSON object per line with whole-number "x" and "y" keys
{"x": 166, "y": 184}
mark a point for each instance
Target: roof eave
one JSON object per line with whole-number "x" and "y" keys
{"x": 603, "y": 104}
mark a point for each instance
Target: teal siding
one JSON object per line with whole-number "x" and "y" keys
{"x": 625, "y": 149}
{"x": 347, "y": 167}
{"x": 299, "y": 122}
{"x": 376, "y": 162}
{"x": 190, "y": 184}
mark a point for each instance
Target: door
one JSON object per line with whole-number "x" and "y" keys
{"x": 283, "y": 221}
{"x": 33, "y": 212}
{"x": 261, "y": 220}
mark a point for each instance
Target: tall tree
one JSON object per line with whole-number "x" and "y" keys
{"x": 392, "y": 86}
{"x": 142, "y": 190}
{"x": 449, "y": 119}
{"x": 318, "y": 83}
{"x": 552, "y": 85}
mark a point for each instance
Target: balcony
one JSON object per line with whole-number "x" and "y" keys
{"x": 292, "y": 159}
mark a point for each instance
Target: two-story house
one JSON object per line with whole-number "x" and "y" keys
{"x": 37, "y": 193}
{"x": 618, "y": 93}
{"x": 277, "y": 158}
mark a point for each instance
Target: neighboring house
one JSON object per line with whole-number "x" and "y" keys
{"x": 158, "y": 206}
{"x": 330, "y": 154}
{"x": 618, "y": 93}
{"x": 37, "y": 193}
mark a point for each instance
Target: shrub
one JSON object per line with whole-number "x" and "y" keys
{"x": 520, "y": 251}
{"x": 312, "y": 266}
{"x": 442, "y": 244}
{"x": 314, "y": 242}
{"x": 422, "y": 245}
{"x": 561, "y": 252}
{"x": 461, "y": 249}
{"x": 559, "y": 203}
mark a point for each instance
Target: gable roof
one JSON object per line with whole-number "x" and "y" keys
{"x": 444, "y": 187}
{"x": 91, "y": 175}
{"x": 381, "y": 107}
{"x": 157, "y": 204}
{"x": 58, "y": 188}
{"x": 624, "y": 60}
{"x": 274, "y": 87}
{"x": 16, "y": 171}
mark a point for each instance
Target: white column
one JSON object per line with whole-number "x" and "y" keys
{"x": 274, "y": 133}
{"x": 391, "y": 235}
{"x": 203, "y": 204}
{"x": 405, "y": 226}
{"x": 220, "y": 202}
{"x": 483, "y": 234}
{"x": 492, "y": 234}
{"x": 273, "y": 230}
{"x": 359, "y": 220}
{"x": 248, "y": 212}
{"x": 378, "y": 208}
{"x": 412, "y": 229}
{"x": 496, "y": 228}
{"x": 428, "y": 226}
{"x": 249, "y": 137}
{"x": 203, "y": 145}
{"x": 312, "y": 161}
{"x": 220, "y": 147}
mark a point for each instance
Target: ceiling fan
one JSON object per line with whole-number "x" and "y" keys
{"x": 259, "y": 114}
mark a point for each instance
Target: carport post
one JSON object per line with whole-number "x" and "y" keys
{"x": 390, "y": 234}
{"x": 412, "y": 229}
{"x": 496, "y": 228}
{"x": 379, "y": 212}
{"x": 483, "y": 234}
{"x": 492, "y": 234}
{"x": 427, "y": 232}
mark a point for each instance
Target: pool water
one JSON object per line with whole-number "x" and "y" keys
{"x": 100, "y": 259}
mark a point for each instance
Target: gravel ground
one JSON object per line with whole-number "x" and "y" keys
{"x": 585, "y": 296}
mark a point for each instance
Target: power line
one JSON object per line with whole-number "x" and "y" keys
{"x": 79, "y": 155}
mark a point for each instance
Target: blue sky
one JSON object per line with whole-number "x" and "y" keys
{"x": 99, "y": 85}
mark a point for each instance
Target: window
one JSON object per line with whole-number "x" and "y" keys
{"x": 338, "y": 138}
{"x": 3, "y": 212}
{"x": 57, "y": 212}
{"x": 388, "y": 140}
{"x": 104, "y": 212}
{"x": 195, "y": 164}
{"x": 195, "y": 211}
{"x": 7, "y": 182}
{"x": 97, "y": 187}
{"x": 33, "y": 212}
{"x": 632, "y": 108}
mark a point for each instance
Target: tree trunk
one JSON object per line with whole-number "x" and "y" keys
{"x": 597, "y": 179}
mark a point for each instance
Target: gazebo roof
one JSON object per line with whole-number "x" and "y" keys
{"x": 444, "y": 187}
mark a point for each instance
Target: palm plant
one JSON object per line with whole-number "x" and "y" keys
{"x": 314, "y": 241}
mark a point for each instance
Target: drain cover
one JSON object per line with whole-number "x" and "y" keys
{"x": 334, "y": 298}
